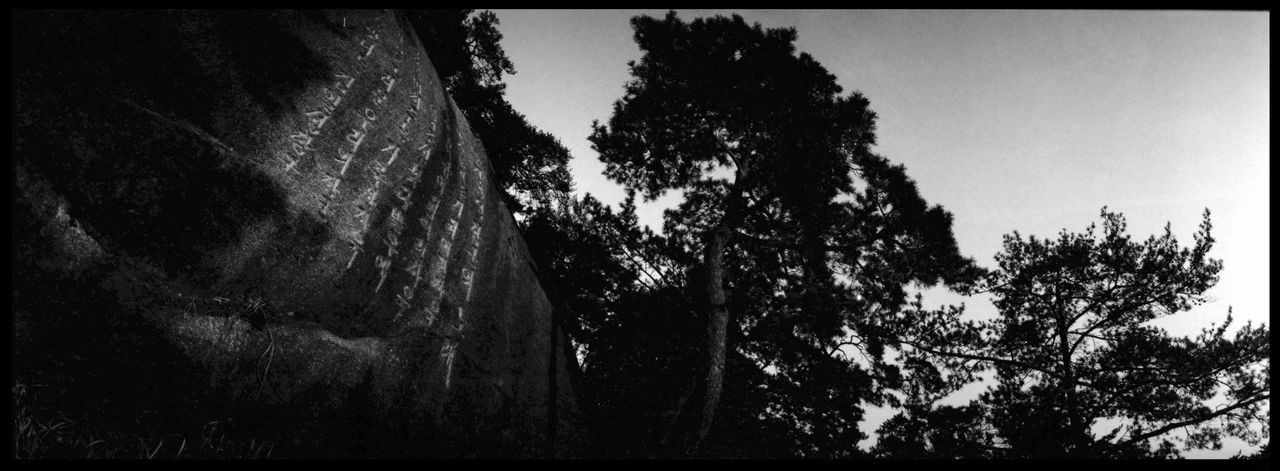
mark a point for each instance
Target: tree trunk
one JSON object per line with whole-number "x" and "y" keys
{"x": 1069, "y": 388}
{"x": 717, "y": 241}
{"x": 717, "y": 329}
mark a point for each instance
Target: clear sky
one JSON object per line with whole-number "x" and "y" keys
{"x": 1012, "y": 120}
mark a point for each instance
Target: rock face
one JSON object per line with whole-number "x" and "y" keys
{"x": 291, "y": 205}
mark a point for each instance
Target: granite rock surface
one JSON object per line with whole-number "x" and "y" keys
{"x": 283, "y": 207}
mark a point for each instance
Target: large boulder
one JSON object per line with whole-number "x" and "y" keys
{"x": 282, "y": 211}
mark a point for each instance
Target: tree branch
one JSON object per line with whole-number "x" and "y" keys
{"x": 1176, "y": 425}
{"x": 632, "y": 258}
{"x": 971, "y": 356}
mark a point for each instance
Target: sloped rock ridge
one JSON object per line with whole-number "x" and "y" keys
{"x": 280, "y": 215}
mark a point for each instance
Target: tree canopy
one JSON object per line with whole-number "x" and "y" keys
{"x": 1074, "y": 348}
{"x": 790, "y": 223}
{"x": 775, "y": 304}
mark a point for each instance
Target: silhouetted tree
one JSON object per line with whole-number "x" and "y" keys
{"x": 588, "y": 257}
{"x": 603, "y": 274}
{"x": 774, "y": 227}
{"x": 1073, "y": 346}
{"x": 1263, "y": 453}
{"x": 922, "y": 430}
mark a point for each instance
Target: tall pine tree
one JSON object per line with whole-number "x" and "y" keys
{"x": 800, "y": 234}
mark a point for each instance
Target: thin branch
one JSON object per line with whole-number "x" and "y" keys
{"x": 1177, "y": 381}
{"x": 768, "y": 242}
{"x": 1117, "y": 313}
{"x": 836, "y": 348}
{"x": 632, "y": 257}
{"x": 1176, "y": 425}
{"x": 1087, "y": 334}
{"x": 971, "y": 356}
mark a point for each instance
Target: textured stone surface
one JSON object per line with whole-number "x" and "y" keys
{"x": 305, "y": 168}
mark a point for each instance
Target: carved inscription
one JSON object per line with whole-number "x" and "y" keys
{"x": 411, "y": 113}
{"x": 368, "y": 42}
{"x": 447, "y": 353}
{"x": 454, "y": 334}
{"x": 426, "y": 313}
{"x": 449, "y": 236}
{"x": 344, "y": 156}
{"x": 417, "y": 258}
{"x": 476, "y": 224}
{"x": 424, "y": 249}
{"x": 396, "y": 223}
{"x": 299, "y": 141}
{"x": 440, "y": 266}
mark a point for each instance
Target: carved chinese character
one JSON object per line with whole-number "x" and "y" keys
{"x": 384, "y": 265}
{"x": 403, "y": 192}
{"x": 344, "y": 79}
{"x": 356, "y": 136}
{"x": 356, "y": 250}
{"x": 393, "y": 149}
{"x": 437, "y": 279}
{"x": 316, "y": 120}
{"x": 329, "y": 181}
{"x": 331, "y": 97}
{"x": 414, "y": 174}
{"x": 343, "y": 156}
{"x": 467, "y": 275}
{"x": 404, "y": 297}
{"x": 392, "y": 240}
